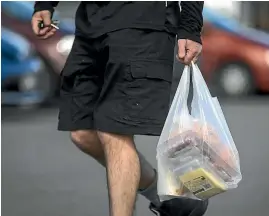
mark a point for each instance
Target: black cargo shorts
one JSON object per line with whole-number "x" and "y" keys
{"x": 118, "y": 83}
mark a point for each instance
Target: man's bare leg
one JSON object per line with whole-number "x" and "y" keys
{"x": 123, "y": 172}
{"x": 88, "y": 142}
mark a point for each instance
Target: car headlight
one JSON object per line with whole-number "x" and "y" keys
{"x": 64, "y": 46}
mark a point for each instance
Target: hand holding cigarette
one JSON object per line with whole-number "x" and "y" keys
{"x": 42, "y": 24}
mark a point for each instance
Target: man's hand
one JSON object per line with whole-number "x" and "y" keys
{"x": 188, "y": 51}
{"x": 48, "y": 30}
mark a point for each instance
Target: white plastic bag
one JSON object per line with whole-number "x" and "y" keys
{"x": 196, "y": 154}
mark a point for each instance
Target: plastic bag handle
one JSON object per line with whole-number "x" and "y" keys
{"x": 182, "y": 93}
{"x": 197, "y": 76}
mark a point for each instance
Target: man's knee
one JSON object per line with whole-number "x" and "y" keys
{"x": 88, "y": 142}
{"x": 84, "y": 138}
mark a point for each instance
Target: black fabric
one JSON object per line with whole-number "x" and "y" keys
{"x": 118, "y": 83}
{"x": 97, "y": 18}
{"x": 181, "y": 207}
{"x": 45, "y": 5}
{"x": 191, "y": 20}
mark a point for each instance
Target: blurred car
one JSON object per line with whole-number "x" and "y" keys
{"x": 24, "y": 80}
{"x": 16, "y": 15}
{"x": 235, "y": 59}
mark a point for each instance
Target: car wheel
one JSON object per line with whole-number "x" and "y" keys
{"x": 234, "y": 80}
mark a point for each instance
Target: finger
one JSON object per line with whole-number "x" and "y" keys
{"x": 53, "y": 30}
{"x": 193, "y": 51}
{"x": 196, "y": 57}
{"x": 180, "y": 60}
{"x": 182, "y": 48}
{"x": 49, "y": 34}
{"x": 35, "y": 22}
{"x": 46, "y": 17}
{"x": 35, "y": 26}
{"x": 44, "y": 31}
{"x": 196, "y": 47}
{"x": 190, "y": 56}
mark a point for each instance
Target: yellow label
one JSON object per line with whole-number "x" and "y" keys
{"x": 202, "y": 183}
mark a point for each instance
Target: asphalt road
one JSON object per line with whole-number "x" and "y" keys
{"x": 44, "y": 174}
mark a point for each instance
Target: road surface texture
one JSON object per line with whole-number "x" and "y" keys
{"x": 43, "y": 173}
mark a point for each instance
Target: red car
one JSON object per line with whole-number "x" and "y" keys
{"x": 232, "y": 64}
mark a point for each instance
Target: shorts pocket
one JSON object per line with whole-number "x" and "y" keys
{"x": 144, "y": 96}
{"x": 152, "y": 69}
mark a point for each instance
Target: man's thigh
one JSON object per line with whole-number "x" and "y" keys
{"x": 135, "y": 95}
{"x": 81, "y": 82}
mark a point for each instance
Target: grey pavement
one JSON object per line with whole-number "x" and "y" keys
{"x": 44, "y": 174}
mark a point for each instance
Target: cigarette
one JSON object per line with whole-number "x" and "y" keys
{"x": 54, "y": 26}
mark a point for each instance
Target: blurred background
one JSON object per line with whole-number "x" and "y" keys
{"x": 44, "y": 174}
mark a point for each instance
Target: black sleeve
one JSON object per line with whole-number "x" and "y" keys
{"x": 45, "y": 5}
{"x": 191, "y": 20}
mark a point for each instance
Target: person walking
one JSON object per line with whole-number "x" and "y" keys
{"x": 116, "y": 84}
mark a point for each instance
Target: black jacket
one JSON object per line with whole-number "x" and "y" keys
{"x": 97, "y": 18}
